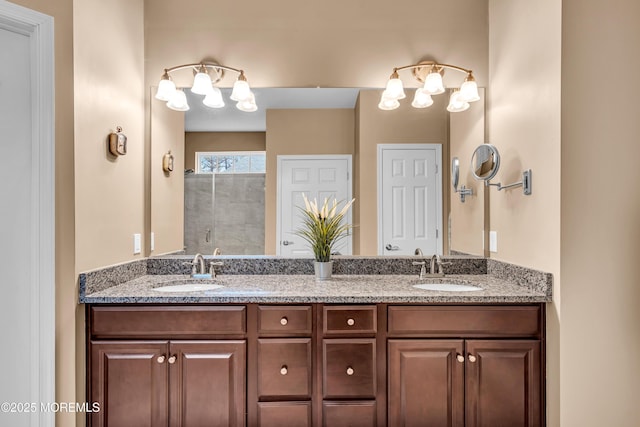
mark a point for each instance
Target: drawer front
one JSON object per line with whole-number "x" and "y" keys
{"x": 349, "y": 368}
{"x": 349, "y": 414}
{"x": 284, "y": 414}
{"x": 284, "y": 320}
{"x": 167, "y": 321}
{"x": 284, "y": 368}
{"x": 345, "y": 320}
{"x": 455, "y": 321}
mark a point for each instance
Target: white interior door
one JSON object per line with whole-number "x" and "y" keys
{"x": 317, "y": 177}
{"x": 26, "y": 217}
{"x": 409, "y": 198}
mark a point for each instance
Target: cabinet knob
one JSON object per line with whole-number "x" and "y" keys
{"x": 284, "y": 321}
{"x": 284, "y": 370}
{"x": 472, "y": 358}
{"x": 172, "y": 360}
{"x": 460, "y": 358}
{"x": 351, "y": 322}
{"x": 350, "y": 371}
{"x": 160, "y": 359}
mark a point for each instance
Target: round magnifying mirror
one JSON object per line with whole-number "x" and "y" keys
{"x": 485, "y": 162}
{"x": 455, "y": 173}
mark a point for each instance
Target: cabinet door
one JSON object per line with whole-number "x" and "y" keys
{"x": 129, "y": 379}
{"x": 284, "y": 414}
{"x": 426, "y": 383}
{"x": 503, "y": 383}
{"x": 284, "y": 368}
{"x": 207, "y": 383}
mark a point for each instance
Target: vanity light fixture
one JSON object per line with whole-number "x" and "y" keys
{"x": 429, "y": 73}
{"x": 206, "y": 74}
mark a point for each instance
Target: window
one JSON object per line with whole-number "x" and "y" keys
{"x": 231, "y": 162}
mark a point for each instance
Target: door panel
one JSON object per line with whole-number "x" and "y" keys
{"x": 503, "y": 383}
{"x": 208, "y": 383}
{"x": 317, "y": 177}
{"x": 410, "y": 199}
{"x": 426, "y": 383}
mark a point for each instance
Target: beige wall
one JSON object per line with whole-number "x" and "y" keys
{"x": 167, "y": 189}
{"x": 404, "y": 125}
{"x": 466, "y": 132}
{"x": 221, "y": 141}
{"x": 109, "y": 92}
{"x": 310, "y": 131}
{"x": 600, "y": 328}
{"x": 524, "y": 124}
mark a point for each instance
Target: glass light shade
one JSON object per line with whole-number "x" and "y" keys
{"x": 214, "y": 98}
{"x": 421, "y": 99}
{"x": 166, "y": 89}
{"x": 248, "y": 105}
{"x": 178, "y": 101}
{"x": 456, "y": 103}
{"x": 394, "y": 89}
{"x": 387, "y": 103}
{"x": 241, "y": 91}
{"x": 469, "y": 91}
{"x": 433, "y": 83}
{"x": 201, "y": 84}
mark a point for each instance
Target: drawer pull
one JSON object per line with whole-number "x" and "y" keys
{"x": 460, "y": 358}
{"x": 350, "y": 371}
{"x": 172, "y": 360}
{"x": 284, "y": 370}
{"x": 472, "y": 358}
{"x": 351, "y": 322}
{"x": 160, "y": 359}
{"x": 284, "y": 321}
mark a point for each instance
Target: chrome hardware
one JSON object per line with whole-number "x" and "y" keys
{"x": 472, "y": 358}
{"x": 217, "y": 252}
{"x": 212, "y": 270}
{"x": 172, "y": 360}
{"x": 287, "y": 242}
{"x": 464, "y": 192}
{"x": 207, "y": 235}
{"x": 351, "y": 322}
{"x": 197, "y": 263}
{"x": 160, "y": 359}
{"x": 350, "y": 371}
{"x": 390, "y": 247}
{"x": 423, "y": 268}
{"x": 460, "y": 358}
{"x": 418, "y": 252}
{"x": 284, "y": 321}
{"x": 284, "y": 370}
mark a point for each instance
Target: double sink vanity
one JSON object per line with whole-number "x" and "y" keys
{"x": 265, "y": 344}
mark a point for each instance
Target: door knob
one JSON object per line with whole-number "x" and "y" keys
{"x": 172, "y": 360}
{"x": 284, "y": 321}
{"x": 351, "y": 322}
{"x": 460, "y": 358}
{"x": 350, "y": 371}
{"x": 390, "y": 247}
{"x": 287, "y": 242}
{"x": 160, "y": 359}
{"x": 472, "y": 358}
{"x": 284, "y": 370}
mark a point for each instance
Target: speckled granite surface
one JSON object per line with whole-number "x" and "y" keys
{"x": 304, "y": 289}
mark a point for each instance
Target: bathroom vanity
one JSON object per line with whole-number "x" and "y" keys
{"x": 283, "y": 350}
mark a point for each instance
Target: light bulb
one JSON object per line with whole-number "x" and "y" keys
{"x": 166, "y": 88}
{"x": 456, "y": 103}
{"x": 214, "y": 98}
{"x": 433, "y": 83}
{"x": 469, "y": 89}
{"x": 248, "y": 105}
{"x": 241, "y": 90}
{"x": 178, "y": 101}
{"x": 421, "y": 99}
{"x": 394, "y": 89}
{"x": 201, "y": 83}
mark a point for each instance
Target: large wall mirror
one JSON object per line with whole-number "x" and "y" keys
{"x": 227, "y": 197}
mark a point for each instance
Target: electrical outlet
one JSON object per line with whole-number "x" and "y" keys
{"x": 137, "y": 243}
{"x": 153, "y": 241}
{"x": 493, "y": 241}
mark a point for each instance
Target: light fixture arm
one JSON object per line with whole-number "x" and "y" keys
{"x": 432, "y": 64}
{"x": 205, "y": 64}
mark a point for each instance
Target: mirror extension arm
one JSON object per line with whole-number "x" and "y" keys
{"x": 525, "y": 183}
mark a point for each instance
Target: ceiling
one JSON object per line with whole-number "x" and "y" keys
{"x": 229, "y": 119}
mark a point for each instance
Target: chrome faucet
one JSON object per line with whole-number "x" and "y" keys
{"x": 198, "y": 261}
{"x": 418, "y": 252}
{"x": 435, "y": 266}
{"x": 217, "y": 252}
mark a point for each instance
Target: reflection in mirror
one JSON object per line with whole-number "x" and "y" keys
{"x": 455, "y": 173}
{"x": 485, "y": 162}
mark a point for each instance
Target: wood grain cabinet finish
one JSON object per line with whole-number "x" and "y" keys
{"x": 285, "y": 321}
{"x": 284, "y": 414}
{"x": 284, "y": 368}
{"x": 349, "y": 320}
{"x": 349, "y": 368}
{"x": 349, "y": 414}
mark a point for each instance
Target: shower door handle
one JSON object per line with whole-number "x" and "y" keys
{"x": 207, "y": 236}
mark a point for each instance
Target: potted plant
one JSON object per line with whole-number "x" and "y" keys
{"x": 323, "y": 227}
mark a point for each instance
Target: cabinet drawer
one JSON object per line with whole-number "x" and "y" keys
{"x": 284, "y": 414}
{"x": 349, "y": 414}
{"x": 167, "y": 321}
{"x": 284, "y": 368}
{"x": 345, "y": 320}
{"x": 284, "y": 320}
{"x": 349, "y": 368}
{"x": 456, "y": 321}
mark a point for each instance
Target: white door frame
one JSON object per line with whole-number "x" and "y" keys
{"x": 438, "y": 148}
{"x": 280, "y": 158}
{"x": 39, "y": 28}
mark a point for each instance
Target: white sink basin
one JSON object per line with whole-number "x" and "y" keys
{"x": 189, "y": 287}
{"x": 448, "y": 287}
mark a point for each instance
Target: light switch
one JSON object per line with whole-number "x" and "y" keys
{"x": 137, "y": 244}
{"x": 493, "y": 241}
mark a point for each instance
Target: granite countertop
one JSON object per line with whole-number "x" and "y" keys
{"x": 291, "y": 288}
